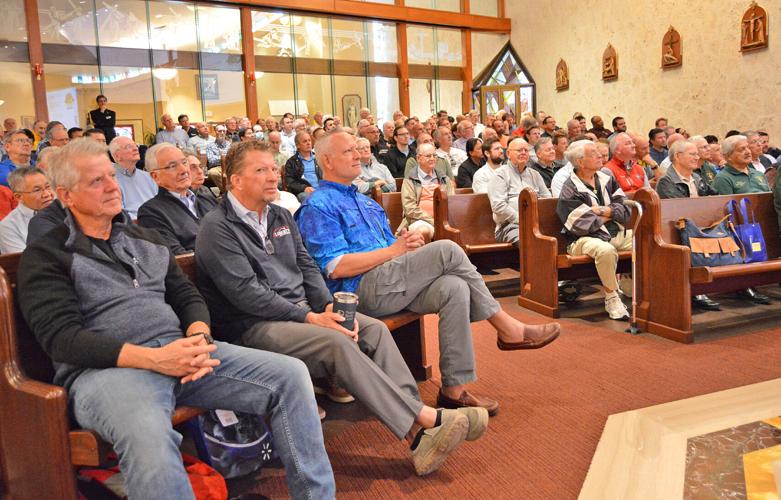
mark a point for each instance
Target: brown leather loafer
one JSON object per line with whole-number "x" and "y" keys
{"x": 535, "y": 336}
{"x": 467, "y": 399}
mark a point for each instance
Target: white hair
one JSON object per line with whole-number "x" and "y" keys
{"x": 577, "y": 150}
{"x": 728, "y": 145}
{"x": 62, "y": 171}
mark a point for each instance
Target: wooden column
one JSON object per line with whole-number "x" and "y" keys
{"x": 35, "y": 49}
{"x": 466, "y": 96}
{"x": 248, "y": 59}
{"x": 401, "y": 39}
{"x": 500, "y": 9}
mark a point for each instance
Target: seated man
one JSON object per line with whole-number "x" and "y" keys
{"x": 506, "y": 186}
{"x": 682, "y": 181}
{"x": 417, "y": 192}
{"x": 623, "y": 166}
{"x": 467, "y": 170}
{"x": 442, "y": 166}
{"x": 176, "y": 211}
{"x": 494, "y": 158}
{"x": 349, "y": 238}
{"x": 546, "y": 157}
{"x": 137, "y": 185}
{"x": 18, "y": 147}
{"x": 373, "y": 173}
{"x": 32, "y": 191}
{"x": 127, "y": 359}
{"x": 302, "y": 173}
{"x": 591, "y": 208}
{"x": 264, "y": 291}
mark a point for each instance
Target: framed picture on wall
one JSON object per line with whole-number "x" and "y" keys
{"x": 28, "y": 121}
{"x": 125, "y": 130}
{"x": 351, "y": 109}
{"x": 207, "y": 84}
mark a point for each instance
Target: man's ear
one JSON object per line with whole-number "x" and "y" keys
{"x": 64, "y": 196}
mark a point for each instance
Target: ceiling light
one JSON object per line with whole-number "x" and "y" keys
{"x": 164, "y": 73}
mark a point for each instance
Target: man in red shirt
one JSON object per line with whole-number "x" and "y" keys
{"x": 623, "y": 166}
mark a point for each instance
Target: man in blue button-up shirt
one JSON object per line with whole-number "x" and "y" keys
{"x": 348, "y": 236}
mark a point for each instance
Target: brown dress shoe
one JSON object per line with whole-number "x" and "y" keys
{"x": 534, "y": 337}
{"x": 467, "y": 399}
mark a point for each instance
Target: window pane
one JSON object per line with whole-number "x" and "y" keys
{"x": 14, "y": 27}
{"x": 66, "y": 22}
{"x": 177, "y": 91}
{"x": 484, "y": 8}
{"x": 275, "y": 94}
{"x": 420, "y": 45}
{"x": 70, "y": 92}
{"x": 173, "y": 26}
{"x": 223, "y": 94}
{"x": 348, "y": 107}
{"x": 122, "y": 23}
{"x": 421, "y": 98}
{"x": 449, "y": 47}
{"x": 219, "y": 30}
{"x": 348, "y": 40}
{"x": 449, "y": 96}
{"x": 382, "y": 42}
{"x": 16, "y": 89}
{"x": 271, "y": 32}
{"x": 315, "y": 91}
{"x": 310, "y": 37}
{"x": 129, "y": 93}
{"x": 384, "y": 97}
{"x": 446, "y": 5}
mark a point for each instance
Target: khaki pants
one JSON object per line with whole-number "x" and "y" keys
{"x": 604, "y": 253}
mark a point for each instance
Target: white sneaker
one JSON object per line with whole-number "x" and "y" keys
{"x": 615, "y": 308}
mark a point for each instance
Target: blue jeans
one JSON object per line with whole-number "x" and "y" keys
{"x": 132, "y": 409}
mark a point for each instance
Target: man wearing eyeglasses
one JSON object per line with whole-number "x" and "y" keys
{"x": 137, "y": 186}
{"x": 265, "y": 291}
{"x": 19, "y": 149}
{"x": 33, "y": 193}
{"x": 176, "y": 211}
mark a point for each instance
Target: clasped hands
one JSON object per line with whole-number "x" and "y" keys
{"x": 188, "y": 358}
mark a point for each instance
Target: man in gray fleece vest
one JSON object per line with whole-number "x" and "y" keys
{"x": 265, "y": 291}
{"x": 130, "y": 339}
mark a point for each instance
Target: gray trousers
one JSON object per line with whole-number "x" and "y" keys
{"x": 508, "y": 234}
{"x": 371, "y": 369}
{"x": 436, "y": 278}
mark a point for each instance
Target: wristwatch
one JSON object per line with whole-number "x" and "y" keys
{"x": 209, "y": 339}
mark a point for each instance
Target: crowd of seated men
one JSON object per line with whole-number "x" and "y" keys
{"x": 279, "y": 220}
{"x": 96, "y": 217}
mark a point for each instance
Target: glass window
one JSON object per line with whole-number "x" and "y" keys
{"x": 14, "y": 26}
{"x": 70, "y": 92}
{"x": 178, "y": 90}
{"x": 271, "y": 33}
{"x": 348, "y": 40}
{"x": 384, "y": 94}
{"x": 122, "y": 23}
{"x": 219, "y": 30}
{"x": 348, "y": 106}
{"x": 382, "y": 42}
{"x": 172, "y": 26}
{"x": 315, "y": 92}
{"x": 222, "y": 74}
{"x": 67, "y": 22}
{"x": 275, "y": 94}
{"x": 446, "y": 5}
{"x": 449, "y": 47}
{"x": 420, "y": 45}
{"x": 223, "y": 94}
{"x": 485, "y": 8}
{"x": 421, "y": 98}
{"x": 310, "y": 37}
{"x": 449, "y": 96}
{"x": 16, "y": 89}
{"x": 129, "y": 93}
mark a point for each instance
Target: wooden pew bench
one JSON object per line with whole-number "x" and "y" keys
{"x": 38, "y": 447}
{"x": 664, "y": 305}
{"x": 544, "y": 257}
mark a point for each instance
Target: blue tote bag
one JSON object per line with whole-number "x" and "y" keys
{"x": 749, "y": 231}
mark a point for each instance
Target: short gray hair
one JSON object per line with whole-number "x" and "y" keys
{"x": 62, "y": 170}
{"x": 300, "y": 137}
{"x": 751, "y": 133}
{"x": 325, "y": 145}
{"x": 45, "y": 153}
{"x": 614, "y": 141}
{"x": 361, "y": 140}
{"x": 8, "y": 137}
{"x": 16, "y": 178}
{"x": 541, "y": 142}
{"x": 680, "y": 147}
{"x": 728, "y": 145}
{"x": 577, "y": 150}
{"x": 150, "y": 158}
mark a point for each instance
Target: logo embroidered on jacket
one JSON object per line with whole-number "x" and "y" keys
{"x": 280, "y": 232}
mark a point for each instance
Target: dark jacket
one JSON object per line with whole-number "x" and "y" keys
{"x": 546, "y": 173}
{"x": 105, "y": 121}
{"x": 670, "y": 185}
{"x": 576, "y": 200}
{"x": 243, "y": 283}
{"x": 294, "y": 174}
{"x": 83, "y": 306}
{"x": 466, "y": 173}
{"x": 45, "y": 220}
{"x": 173, "y": 220}
{"x": 396, "y": 161}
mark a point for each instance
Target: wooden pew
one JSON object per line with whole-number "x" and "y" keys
{"x": 467, "y": 220}
{"x": 38, "y": 447}
{"x": 391, "y": 203}
{"x": 544, "y": 258}
{"x": 666, "y": 280}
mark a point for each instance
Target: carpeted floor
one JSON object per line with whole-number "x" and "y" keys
{"x": 554, "y": 405}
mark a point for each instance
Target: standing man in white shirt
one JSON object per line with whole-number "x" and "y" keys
{"x": 494, "y": 156}
{"x": 33, "y": 193}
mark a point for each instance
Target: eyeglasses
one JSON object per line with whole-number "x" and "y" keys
{"x": 174, "y": 164}
{"x": 37, "y": 191}
{"x": 428, "y": 156}
{"x": 127, "y": 147}
{"x": 21, "y": 140}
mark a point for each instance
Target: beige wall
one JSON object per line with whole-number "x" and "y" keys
{"x": 717, "y": 89}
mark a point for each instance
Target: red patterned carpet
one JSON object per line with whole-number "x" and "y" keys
{"x": 554, "y": 404}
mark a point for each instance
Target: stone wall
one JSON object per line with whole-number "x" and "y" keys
{"x": 717, "y": 88}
